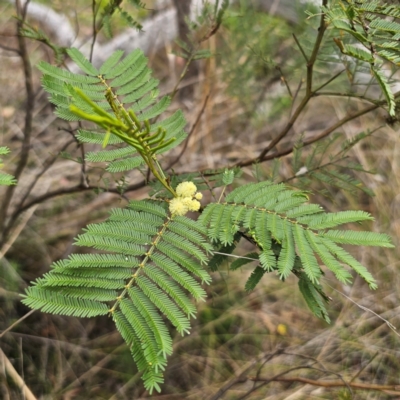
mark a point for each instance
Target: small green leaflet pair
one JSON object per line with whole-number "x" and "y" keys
{"x": 146, "y": 265}
{"x": 5, "y": 179}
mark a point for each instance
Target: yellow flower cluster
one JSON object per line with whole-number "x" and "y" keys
{"x": 187, "y": 199}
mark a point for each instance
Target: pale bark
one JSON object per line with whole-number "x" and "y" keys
{"x": 157, "y": 31}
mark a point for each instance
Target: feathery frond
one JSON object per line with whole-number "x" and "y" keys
{"x": 373, "y": 26}
{"x": 147, "y": 274}
{"x": 290, "y": 235}
{"x": 120, "y": 98}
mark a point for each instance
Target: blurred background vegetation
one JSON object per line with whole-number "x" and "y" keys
{"x": 243, "y": 95}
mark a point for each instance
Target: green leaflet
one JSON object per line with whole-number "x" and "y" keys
{"x": 126, "y": 164}
{"x": 109, "y": 155}
{"x": 5, "y": 179}
{"x": 312, "y": 295}
{"x": 306, "y": 254}
{"x": 387, "y": 91}
{"x": 359, "y": 238}
{"x": 287, "y": 255}
{"x": 145, "y": 274}
{"x": 152, "y": 374}
{"x": 55, "y": 303}
{"x": 254, "y": 279}
{"x": 330, "y": 220}
{"x": 110, "y": 63}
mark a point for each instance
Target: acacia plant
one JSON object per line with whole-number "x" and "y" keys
{"x": 151, "y": 258}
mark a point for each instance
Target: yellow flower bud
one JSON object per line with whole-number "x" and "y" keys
{"x": 195, "y": 206}
{"x": 192, "y": 205}
{"x": 186, "y": 189}
{"x": 177, "y": 206}
{"x": 198, "y": 196}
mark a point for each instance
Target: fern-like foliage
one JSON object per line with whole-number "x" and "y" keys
{"x": 147, "y": 271}
{"x": 34, "y": 33}
{"x": 292, "y": 236}
{"x": 115, "y": 6}
{"x": 5, "y": 179}
{"x": 369, "y": 32}
{"x": 149, "y": 257}
{"x": 120, "y": 97}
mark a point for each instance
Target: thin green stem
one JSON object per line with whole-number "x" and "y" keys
{"x": 184, "y": 72}
{"x": 350, "y": 95}
{"x": 329, "y": 81}
{"x": 300, "y": 47}
{"x": 316, "y": 168}
{"x": 222, "y": 193}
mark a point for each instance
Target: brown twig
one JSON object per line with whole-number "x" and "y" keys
{"x": 189, "y": 134}
{"x": 330, "y": 80}
{"x": 4, "y": 47}
{"x": 334, "y": 162}
{"x": 16, "y": 378}
{"x": 284, "y": 80}
{"x": 183, "y": 73}
{"x": 16, "y": 323}
{"x": 30, "y": 103}
{"x": 309, "y": 93}
{"x": 364, "y": 367}
{"x": 94, "y": 30}
{"x": 267, "y": 381}
{"x": 349, "y": 95}
{"x": 281, "y": 374}
{"x": 331, "y": 384}
{"x": 300, "y": 47}
{"x": 240, "y": 375}
{"x": 314, "y": 139}
{"x": 75, "y": 189}
{"x": 46, "y": 166}
{"x": 296, "y": 93}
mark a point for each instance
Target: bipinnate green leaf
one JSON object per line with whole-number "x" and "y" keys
{"x": 291, "y": 237}
{"x": 121, "y": 98}
{"x": 146, "y": 274}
